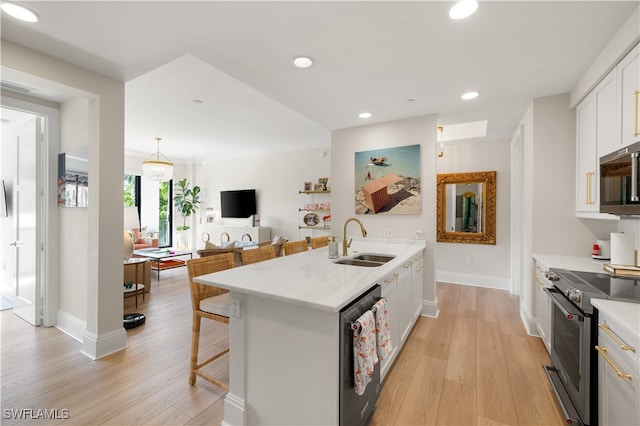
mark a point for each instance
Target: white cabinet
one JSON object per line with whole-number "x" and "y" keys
{"x": 587, "y": 170}
{"x": 543, "y": 313}
{"x": 606, "y": 120}
{"x": 629, "y": 82}
{"x": 218, "y": 233}
{"x": 607, "y": 116}
{"x": 403, "y": 291}
{"x": 618, "y": 375}
{"x": 389, "y": 292}
{"x": 405, "y": 304}
{"x": 417, "y": 289}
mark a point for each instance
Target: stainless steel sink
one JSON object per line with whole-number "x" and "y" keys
{"x": 369, "y": 260}
{"x": 382, "y": 258}
{"x": 355, "y": 262}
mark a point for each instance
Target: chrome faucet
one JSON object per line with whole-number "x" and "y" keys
{"x": 345, "y": 244}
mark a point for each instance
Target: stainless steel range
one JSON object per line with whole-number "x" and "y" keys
{"x": 573, "y": 368}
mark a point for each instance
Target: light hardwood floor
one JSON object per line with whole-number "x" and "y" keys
{"x": 474, "y": 364}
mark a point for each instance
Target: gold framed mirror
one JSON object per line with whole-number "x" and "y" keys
{"x": 466, "y": 208}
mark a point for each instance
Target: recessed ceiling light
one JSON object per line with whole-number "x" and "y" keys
{"x": 19, "y": 12}
{"x": 462, "y": 9}
{"x": 303, "y": 62}
{"x": 469, "y": 95}
{"x": 364, "y": 115}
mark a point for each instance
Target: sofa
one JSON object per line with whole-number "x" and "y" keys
{"x": 142, "y": 242}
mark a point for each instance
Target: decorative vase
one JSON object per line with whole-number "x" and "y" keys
{"x": 182, "y": 240}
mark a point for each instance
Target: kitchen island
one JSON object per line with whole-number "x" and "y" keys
{"x": 284, "y": 330}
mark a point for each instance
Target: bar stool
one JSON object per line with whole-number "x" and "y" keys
{"x": 207, "y": 302}
{"x": 293, "y": 247}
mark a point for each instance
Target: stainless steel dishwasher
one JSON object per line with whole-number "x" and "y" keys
{"x": 356, "y": 410}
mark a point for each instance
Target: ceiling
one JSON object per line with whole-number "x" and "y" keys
{"x": 393, "y": 59}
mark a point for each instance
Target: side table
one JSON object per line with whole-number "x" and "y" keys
{"x": 135, "y": 319}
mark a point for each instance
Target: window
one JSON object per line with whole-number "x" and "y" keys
{"x": 153, "y": 200}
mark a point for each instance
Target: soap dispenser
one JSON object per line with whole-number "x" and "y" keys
{"x": 333, "y": 248}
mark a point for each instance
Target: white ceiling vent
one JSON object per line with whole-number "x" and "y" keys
{"x": 455, "y": 132}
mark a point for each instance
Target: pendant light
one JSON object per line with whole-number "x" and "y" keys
{"x": 157, "y": 167}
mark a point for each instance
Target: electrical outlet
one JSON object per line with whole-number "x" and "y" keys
{"x": 469, "y": 260}
{"x": 383, "y": 232}
{"x": 389, "y": 233}
{"x": 419, "y": 235}
{"x": 235, "y": 307}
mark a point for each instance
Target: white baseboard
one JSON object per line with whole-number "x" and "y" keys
{"x": 96, "y": 347}
{"x": 71, "y": 325}
{"x": 234, "y": 412}
{"x": 430, "y": 308}
{"x": 529, "y": 322}
{"x": 484, "y": 281}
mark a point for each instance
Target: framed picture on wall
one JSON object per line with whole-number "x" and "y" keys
{"x": 323, "y": 182}
{"x": 387, "y": 181}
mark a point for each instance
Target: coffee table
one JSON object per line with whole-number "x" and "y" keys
{"x": 162, "y": 258}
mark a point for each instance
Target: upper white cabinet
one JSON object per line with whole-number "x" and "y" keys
{"x": 628, "y": 73}
{"x": 606, "y": 121}
{"x": 607, "y": 116}
{"x": 587, "y": 157}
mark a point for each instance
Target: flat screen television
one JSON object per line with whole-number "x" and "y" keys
{"x": 240, "y": 203}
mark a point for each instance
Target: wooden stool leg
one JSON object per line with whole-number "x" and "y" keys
{"x": 195, "y": 342}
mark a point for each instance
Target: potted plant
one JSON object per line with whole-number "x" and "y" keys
{"x": 186, "y": 201}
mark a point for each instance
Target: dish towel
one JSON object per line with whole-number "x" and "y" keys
{"x": 364, "y": 351}
{"x": 383, "y": 330}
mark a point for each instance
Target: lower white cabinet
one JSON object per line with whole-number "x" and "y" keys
{"x": 405, "y": 303}
{"x": 403, "y": 291}
{"x": 543, "y": 313}
{"x": 389, "y": 291}
{"x": 618, "y": 373}
{"x": 417, "y": 285}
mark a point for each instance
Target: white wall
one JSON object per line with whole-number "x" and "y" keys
{"x": 101, "y": 329}
{"x": 490, "y": 265}
{"x": 74, "y": 134}
{"x": 550, "y": 222}
{"x": 277, "y": 178}
{"x": 345, "y": 143}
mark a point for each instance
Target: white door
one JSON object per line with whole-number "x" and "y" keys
{"x": 26, "y": 204}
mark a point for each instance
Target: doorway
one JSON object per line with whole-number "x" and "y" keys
{"x": 28, "y": 169}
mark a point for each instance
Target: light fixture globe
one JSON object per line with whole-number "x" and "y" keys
{"x": 157, "y": 167}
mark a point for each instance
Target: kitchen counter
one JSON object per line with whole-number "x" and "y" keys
{"x": 572, "y": 263}
{"x": 284, "y": 330}
{"x": 312, "y": 279}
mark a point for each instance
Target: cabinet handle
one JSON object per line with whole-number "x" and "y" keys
{"x": 610, "y": 333}
{"x": 603, "y": 352}
{"x": 588, "y": 186}
{"x": 420, "y": 268}
{"x": 636, "y": 131}
{"x": 634, "y": 176}
{"x": 388, "y": 280}
{"x": 395, "y": 275}
{"x": 407, "y": 265}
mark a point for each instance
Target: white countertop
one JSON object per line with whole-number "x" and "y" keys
{"x": 572, "y": 263}
{"x": 311, "y": 278}
{"x": 626, "y": 315}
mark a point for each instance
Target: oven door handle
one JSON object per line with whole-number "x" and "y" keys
{"x": 564, "y": 305}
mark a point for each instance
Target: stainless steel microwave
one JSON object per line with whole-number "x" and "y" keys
{"x": 619, "y": 182}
